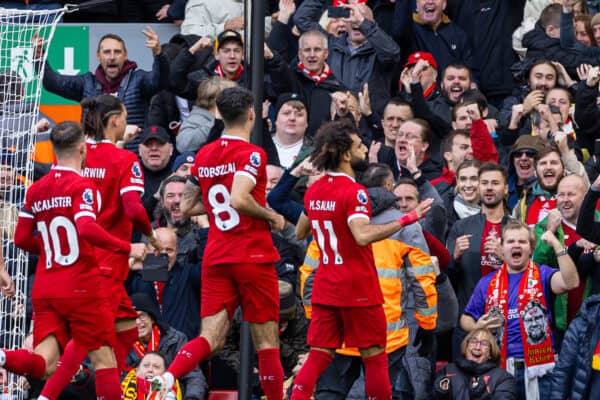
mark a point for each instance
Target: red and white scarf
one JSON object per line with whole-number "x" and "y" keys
{"x": 141, "y": 350}
{"x": 219, "y": 71}
{"x": 317, "y": 78}
{"x": 539, "y": 358}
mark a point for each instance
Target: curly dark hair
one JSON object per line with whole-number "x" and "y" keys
{"x": 332, "y": 140}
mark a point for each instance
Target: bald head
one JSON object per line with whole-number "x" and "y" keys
{"x": 166, "y": 240}
{"x": 569, "y": 196}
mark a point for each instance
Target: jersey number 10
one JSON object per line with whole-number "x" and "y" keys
{"x": 52, "y": 245}
{"x": 332, "y": 239}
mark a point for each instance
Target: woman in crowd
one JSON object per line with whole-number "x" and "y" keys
{"x": 475, "y": 374}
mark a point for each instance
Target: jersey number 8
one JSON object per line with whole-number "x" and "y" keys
{"x": 226, "y": 217}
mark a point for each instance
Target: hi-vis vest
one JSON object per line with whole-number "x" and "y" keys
{"x": 417, "y": 276}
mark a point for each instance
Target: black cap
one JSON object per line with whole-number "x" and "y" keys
{"x": 143, "y": 302}
{"x": 228, "y": 35}
{"x": 285, "y": 97}
{"x": 155, "y": 132}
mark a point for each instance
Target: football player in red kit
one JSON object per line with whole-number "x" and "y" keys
{"x": 119, "y": 178}
{"x": 229, "y": 176}
{"x": 347, "y": 300}
{"x": 58, "y": 221}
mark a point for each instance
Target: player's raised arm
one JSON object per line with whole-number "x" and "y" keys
{"x": 191, "y": 199}
{"x": 365, "y": 232}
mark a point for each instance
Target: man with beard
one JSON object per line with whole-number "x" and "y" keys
{"x": 168, "y": 214}
{"x": 502, "y": 299}
{"x": 554, "y": 161}
{"x": 474, "y": 242}
{"x": 514, "y": 117}
{"x": 562, "y": 221}
{"x": 346, "y": 294}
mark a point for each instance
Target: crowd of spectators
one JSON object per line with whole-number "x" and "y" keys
{"x": 489, "y": 109}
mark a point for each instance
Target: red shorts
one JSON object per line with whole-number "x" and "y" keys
{"x": 254, "y": 286}
{"x": 360, "y": 327}
{"x": 88, "y": 321}
{"x": 119, "y": 302}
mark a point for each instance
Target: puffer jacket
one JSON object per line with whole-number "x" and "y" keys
{"x": 137, "y": 87}
{"x": 573, "y": 377}
{"x": 493, "y": 383}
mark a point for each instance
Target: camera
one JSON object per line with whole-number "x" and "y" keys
{"x": 156, "y": 268}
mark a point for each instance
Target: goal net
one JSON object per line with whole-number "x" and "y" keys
{"x": 21, "y": 70}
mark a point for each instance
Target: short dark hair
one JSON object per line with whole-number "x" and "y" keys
{"x": 404, "y": 180}
{"x": 397, "y": 101}
{"x": 375, "y": 175}
{"x": 474, "y": 96}
{"x": 448, "y": 140}
{"x": 65, "y": 136}
{"x": 111, "y": 36}
{"x": 491, "y": 167}
{"x": 550, "y": 16}
{"x": 331, "y": 141}
{"x": 233, "y": 105}
{"x": 170, "y": 179}
{"x": 155, "y": 353}
{"x": 457, "y": 65}
{"x": 98, "y": 111}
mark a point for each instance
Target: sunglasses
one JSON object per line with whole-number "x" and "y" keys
{"x": 528, "y": 153}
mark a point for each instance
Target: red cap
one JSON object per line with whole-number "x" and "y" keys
{"x": 421, "y": 55}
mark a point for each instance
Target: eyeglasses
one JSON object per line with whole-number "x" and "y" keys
{"x": 527, "y": 152}
{"x": 482, "y": 343}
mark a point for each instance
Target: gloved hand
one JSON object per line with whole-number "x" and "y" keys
{"x": 424, "y": 342}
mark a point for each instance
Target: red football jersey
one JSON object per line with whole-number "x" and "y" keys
{"x": 233, "y": 237}
{"x": 114, "y": 171}
{"x": 346, "y": 275}
{"x": 67, "y": 264}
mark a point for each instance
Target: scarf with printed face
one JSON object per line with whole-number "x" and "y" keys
{"x": 135, "y": 388}
{"x": 219, "y": 71}
{"x": 317, "y": 78}
{"x": 533, "y": 318}
{"x": 141, "y": 350}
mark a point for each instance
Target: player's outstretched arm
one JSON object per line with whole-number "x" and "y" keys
{"x": 302, "y": 227}
{"x": 243, "y": 201}
{"x": 136, "y": 213}
{"x": 365, "y": 232}
{"x": 89, "y": 230}
{"x": 191, "y": 199}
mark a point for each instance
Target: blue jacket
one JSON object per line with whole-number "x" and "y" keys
{"x": 181, "y": 297}
{"x": 573, "y": 376}
{"x": 137, "y": 88}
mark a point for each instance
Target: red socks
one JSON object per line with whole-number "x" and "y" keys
{"x": 305, "y": 382}
{"x": 108, "y": 386}
{"x": 25, "y": 362}
{"x": 189, "y": 356}
{"x": 67, "y": 367}
{"x": 270, "y": 373}
{"x": 123, "y": 345}
{"x": 377, "y": 378}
